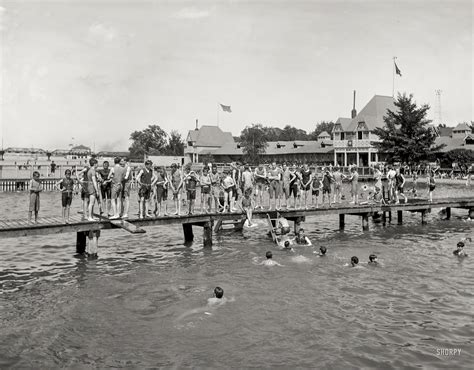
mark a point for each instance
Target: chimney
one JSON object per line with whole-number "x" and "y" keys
{"x": 196, "y": 125}
{"x": 354, "y": 112}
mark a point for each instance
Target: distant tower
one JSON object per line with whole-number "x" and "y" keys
{"x": 354, "y": 112}
{"x": 438, "y": 111}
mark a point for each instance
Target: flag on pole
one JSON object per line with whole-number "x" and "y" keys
{"x": 397, "y": 70}
{"x": 226, "y": 108}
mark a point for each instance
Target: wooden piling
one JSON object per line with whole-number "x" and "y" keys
{"x": 400, "y": 217}
{"x": 365, "y": 222}
{"x": 207, "y": 234}
{"x": 188, "y": 233}
{"x": 81, "y": 240}
{"x": 448, "y": 213}
{"x": 423, "y": 215}
{"x": 471, "y": 213}
{"x": 342, "y": 219}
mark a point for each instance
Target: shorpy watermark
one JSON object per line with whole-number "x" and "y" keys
{"x": 448, "y": 352}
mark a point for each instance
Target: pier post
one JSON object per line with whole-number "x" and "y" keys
{"x": 81, "y": 240}
{"x": 384, "y": 218}
{"x": 390, "y": 216}
{"x": 342, "y": 219}
{"x": 448, "y": 213}
{"x": 207, "y": 234}
{"x": 188, "y": 233}
{"x": 365, "y": 222}
{"x": 400, "y": 217}
{"x": 423, "y": 215}
{"x": 471, "y": 213}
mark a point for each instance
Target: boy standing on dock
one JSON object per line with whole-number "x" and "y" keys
{"x": 66, "y": 186}
{"x": 116, "y": 176}
{"x": 176, "y": 185}
{"x": 145, "y": 179}
{"x": 35, "y": 189}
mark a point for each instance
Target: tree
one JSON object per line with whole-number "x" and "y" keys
{"x": 253, "y": 142}
{"x": 406, "y": 136}
{"x": 175, "y": 144}
{"x": 463, "y": 157}
{"x": 291, "y": 133}
{"x": 321, "y": 127}
{"x": 151, "y": 140}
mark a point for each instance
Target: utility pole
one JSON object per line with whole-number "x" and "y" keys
{"x": 438, "y": 111}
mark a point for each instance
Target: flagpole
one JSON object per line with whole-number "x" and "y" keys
{"x": 393, "y": 77}
{"x": 217, "y": 114}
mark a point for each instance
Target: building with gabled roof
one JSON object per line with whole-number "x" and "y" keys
{"x": 205, "y": 138}
{"x": 461, "y": 130}
{"x": 353, "y": 139}
{"x": 324, "y": 136}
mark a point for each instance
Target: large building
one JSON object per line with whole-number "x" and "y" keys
{"x": 353, "y": 137}
{"x": 205, "y": 139}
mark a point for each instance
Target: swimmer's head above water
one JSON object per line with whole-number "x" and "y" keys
{"x": 354, "y": 261}
{"x": 372, "y": 258}
{"x": 269, "y": 255}
{"x": 322, "y": 250}
{"x": 287, "y": 244}
{"x": 218, "y": 292}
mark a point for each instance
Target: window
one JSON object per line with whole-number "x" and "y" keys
{"x": 343, "y": 136}
{"x": 359, "y": 135}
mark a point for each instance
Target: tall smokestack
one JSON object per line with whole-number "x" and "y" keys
{"x": 354, "y": 112}
{"x": 196, "y": 125}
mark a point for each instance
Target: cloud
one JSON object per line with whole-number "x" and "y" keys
{"x": 102, "y": 32}
{"x": 2, "y": 17}
{"x": 192, "y": 13}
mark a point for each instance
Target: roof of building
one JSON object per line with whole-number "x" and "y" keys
{"x": 344, "y": 122}
{"x": 80, "y": 147}
{"x": 24, "y": 150}
{"x": 454, "y": 143}
{"x": 209, "y": 136}
{"x": 462, "y": 127}
{"x": 277, "y": 147}
{"x": 445, "y": 131}
{"x": 324, "y": 134}
{"x": 373, "y": 113}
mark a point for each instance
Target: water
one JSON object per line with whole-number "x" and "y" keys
{"x": 123, "y": 309}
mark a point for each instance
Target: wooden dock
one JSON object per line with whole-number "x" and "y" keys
{"x": 54, "y": 225}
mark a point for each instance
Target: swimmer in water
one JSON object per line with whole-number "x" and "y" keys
{"x": 373, "y": 260}
{"x": 269, "y": 261}
{"x": 218, "y": 298}
{"x": 212, "y": 303}
{"x": 460, "y": 249}
{"x": 302, "y": 239}
{"x": 287, "y": 246}
{"x": 354, "y": 262}
{"x": 322, "y": 251}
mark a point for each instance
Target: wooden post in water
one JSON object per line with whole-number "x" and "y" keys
{"x": 448, "y": 213}
{"x": 423, "y": 215}
{"x": 342, "y": 220}
{"x": 384, "y": 218}
{"x": 81, "y": 240}
{"x": 390, "y": 216}
{"x": 365, "y": 222}
{"x": 188, "y": 233}
{"x": 400, "y": 217}
{"x": 207, "y": 234}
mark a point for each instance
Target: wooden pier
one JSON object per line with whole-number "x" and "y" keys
{"x": 83, "y": 229}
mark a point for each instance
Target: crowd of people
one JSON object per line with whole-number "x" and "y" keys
{"x": 236, "y": 188}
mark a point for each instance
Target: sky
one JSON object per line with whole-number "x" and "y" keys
{"x": 92, "y": 72}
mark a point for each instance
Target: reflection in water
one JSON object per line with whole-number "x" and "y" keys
{"x": 121, "y": 310}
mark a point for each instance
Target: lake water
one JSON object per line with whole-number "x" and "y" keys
{"x": 133, "y": 306}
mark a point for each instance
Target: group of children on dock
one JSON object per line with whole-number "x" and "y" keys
{"x": 237, "y": 188}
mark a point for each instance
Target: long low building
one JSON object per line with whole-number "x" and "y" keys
{"x": 278, "y": 151}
